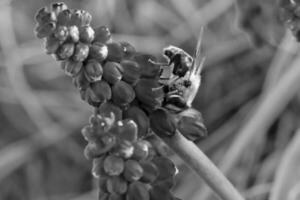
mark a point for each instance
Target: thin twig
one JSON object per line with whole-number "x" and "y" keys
{"x": 198, "y": 161}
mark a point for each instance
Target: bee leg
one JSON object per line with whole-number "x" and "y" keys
{"x": 159, "y": 63}
{"x": 173, "y": 92}
{"x": 157, "y": 88}
{"x": 164, "y": 78}
{"x": 172, "y": 80}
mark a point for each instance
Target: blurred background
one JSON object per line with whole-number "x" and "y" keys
{"x": 247, "y": 51}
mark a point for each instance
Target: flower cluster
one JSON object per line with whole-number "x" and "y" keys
{"x": 101, "y": 69}
{"x": 126, "y": 166}
{"x": 129, "y": 96}
{"x": 290, "y": 14}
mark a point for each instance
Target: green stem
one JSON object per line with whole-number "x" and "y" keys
{"x": 203, "y": 166}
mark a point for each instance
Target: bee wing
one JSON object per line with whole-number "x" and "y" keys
{"x": 198, "y": 58}
{"x": 194, "y": 75}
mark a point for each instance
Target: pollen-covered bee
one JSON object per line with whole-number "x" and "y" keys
{"x": 181, "y": 78}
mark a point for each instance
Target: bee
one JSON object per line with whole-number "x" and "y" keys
{"x": 182, "y": 77}
{"x": 181, "y": 60}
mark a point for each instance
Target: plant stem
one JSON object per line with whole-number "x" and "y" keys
{"x": 285, "y": 180}
{"x": 203, "y": 166}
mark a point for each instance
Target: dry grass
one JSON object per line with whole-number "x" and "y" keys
{"x": 41, "y": 114}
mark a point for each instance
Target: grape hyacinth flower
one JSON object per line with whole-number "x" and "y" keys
{"x": 130, "y": 98}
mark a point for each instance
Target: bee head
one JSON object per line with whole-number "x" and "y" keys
{"x": 169, "y": 53}
{"x": 171, "y": 50}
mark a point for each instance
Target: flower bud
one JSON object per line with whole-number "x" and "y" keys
{"x": 191, "y": 124}
{"x": 107, "y": 141}
{"x": 90, "y": 151}
{"x": 148, "y": 69}
{"x": 122, "y": 93}
{"x": 58, "y": 7}
{"x": 80, "y": 81}
{"x": 159, "y": 193}
{"x": 150, "y": 172}
{"x": 88, "y": 133}
{"x": 162, "y": 123}
{"x": 113, "y": 165}
{"x": 73, "y": 33}
{"x": 132, "y": 171}
{"x": 102, "y": 90}
{"x": 102, "y": 34}
{"x": 149, "y": 92}
{"x": 107, "y": 108}
{"x": 41, "y": 13}
{"x": 116, "y": 184}
{"x": 126, "y": 130}
{"x": 65, "y": 51}
{"x": 131, "y": 71}
{"x": 98, "y": 169}
{"x": 81, "y": 52}
{"x": 86, "y": 18}
{"x": 158, "y": 146}
{"x": 45, "y": 30}
{"x": 165, "y": 183}
{"x": 61, "y": 33}
{"x": 98, "y": 51}
{"x": 93, "y": 70}
{"x": 43, "y": 16}
{"x": 151, "y": 152}
{"x": 51, "y": 44}
{"x": 137, "y": 191}
{"x": 89, "y": 96}
{"x": 87, "y": 34}
{"x": 123, "y": 149}
{"x": 97, "y": 121}
{"x": 112, "y": 72}
{"x": 72, "y": 68}
{"x": 128, "y": 49}
{"x": 165, "y": 167}
{"x": 115, "y": 52}
{"x": 140, "y": 118}
{"x": 141, "y": 150}
{"x": 76, "y": 18}
{"x": 99, "y": 146}
{"x": 64, "y": 17}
